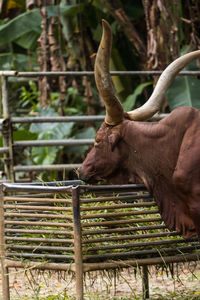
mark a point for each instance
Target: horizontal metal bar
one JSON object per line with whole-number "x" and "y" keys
{"x": 4, "y": 150}
{"x": 120, "y": 230}
{"x": 67, "y": 142}
{"x": 118, "y": 206}
{"x": 29, "y": 223}
{"x": 129, "y": 237}
{"x": 61, "y": 119}
{"x": 62, "y": 257}
{"x": 8, "y": 73}
{"x": 39, "y": 200}
{"x": 36, "y": 208}
{"x": 135, "y": 245}
{"x": 40, "y": 240}
{"x": 39, "y": 248}
{"x": 88, "y": 73}
{"x": 57, "y": 167}
{"x": 16, "y": 187}
{"x": 39, "y": 265}
{"x": 39, "y": 231}
{"x": 58, "y": 119}
{"x": 113, "y": 188}
{"x": 141, "y": 262}
{"x": 132, "y": 196}
{"x": 62, "y": 189}
{"x": 119, "y": 214}
{"x": 53, "y": 183}
{"x": 141, "y": 253}
{"x": 83, "y": 201}
{"x": 36, "y": 215}
{"x": 121, "y": 222}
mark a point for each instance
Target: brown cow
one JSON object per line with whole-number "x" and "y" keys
{"x": 165, "y": 155}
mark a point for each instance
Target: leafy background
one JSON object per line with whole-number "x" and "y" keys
{"x": 141, "y": 41}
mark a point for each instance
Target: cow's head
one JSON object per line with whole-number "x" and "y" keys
{"x": 107, "y": 160}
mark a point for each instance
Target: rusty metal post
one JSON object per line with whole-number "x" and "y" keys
{"x": 77, "y": 243}
{"x": 4, "y": 269}
{"x": 7, "y": 131}
{"x": 145, "y": 282}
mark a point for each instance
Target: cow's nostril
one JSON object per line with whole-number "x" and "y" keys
{"x": 82, "y": 176}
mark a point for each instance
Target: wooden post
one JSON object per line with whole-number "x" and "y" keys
{"x": 145, "y": 282}
{"x": 7, "y": 131}
{"x": 4, "y": 269}
{"x": 77, "y": 243}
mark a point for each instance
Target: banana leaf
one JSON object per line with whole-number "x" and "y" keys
{"x": 184, "y": 91}
{"x": 29, "y": 23}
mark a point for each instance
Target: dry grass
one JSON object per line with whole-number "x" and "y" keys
{"x": 123, "y": 285}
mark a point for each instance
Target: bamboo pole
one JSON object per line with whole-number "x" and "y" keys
{"x": 145, "y": 282}
{"x": 77, "y": 243}
{"x": 4, "y": 268}
{"x": 7, "y": 141}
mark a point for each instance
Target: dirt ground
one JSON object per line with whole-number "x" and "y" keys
{"x": 124, "y": 284}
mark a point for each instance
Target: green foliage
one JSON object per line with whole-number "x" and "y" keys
{"x": 80, "y": 20}
{"x": 48, "y": 131}
{"x": 22, "y": 32}
{"x": 25, "y": 28}
{"x": 86, "y": 133}
{"x": 29, "y": 95}
{"x": 74, "y": 102}
{"x": 129, "y": 103}
{"x": 185, "y": 90}
{"x": 16, "y": 28}
{"x": 24, "y": 134}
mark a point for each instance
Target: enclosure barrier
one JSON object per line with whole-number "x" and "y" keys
{"x": 80, "y": 228}
{"x": 11, "y": 148}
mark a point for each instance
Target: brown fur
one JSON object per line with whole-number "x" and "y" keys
{"x": 165, "y": 155}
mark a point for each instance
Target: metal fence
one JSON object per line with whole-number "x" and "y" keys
{"x": 82, "y": 228}
{"x": 10, "y": 147}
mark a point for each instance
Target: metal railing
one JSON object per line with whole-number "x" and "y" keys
{"x": 10, "y": 147}
{"x": 83, "y": 228}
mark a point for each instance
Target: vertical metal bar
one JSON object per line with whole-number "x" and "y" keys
{"x": 77, "y": 242}
{"x": 4, "y": 269}
{"x": 145, "y": 282}
{"x": 5, "y": 107}
{"x": 7, "y": 131}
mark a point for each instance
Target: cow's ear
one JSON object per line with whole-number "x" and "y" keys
{"x": 113, "y": 140}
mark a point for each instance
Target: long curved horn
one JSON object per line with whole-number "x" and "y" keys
{"x": 155, "y": 101}
{"x": 114, "y": 109}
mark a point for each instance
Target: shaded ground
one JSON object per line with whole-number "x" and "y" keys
{"x": 183, "y": 282}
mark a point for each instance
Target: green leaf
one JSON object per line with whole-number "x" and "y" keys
{"x": 29, "y": 23}
{"x": 131, "y": 99}
{"x": 184, "y": 91}
{"x": 44, "y": 155}
{"x": 63, "y": 130}
{"x": 24, "y": 135}
{"x": 64, "y": 10}
{"x": 87, "y": 133}
{"x": 5, "y": 61}
{"x": 39, "y": 127}
{"x": 49, "y": 131}
{"x": 22, "y": 24}
{"x": 28, "y": 41}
